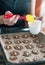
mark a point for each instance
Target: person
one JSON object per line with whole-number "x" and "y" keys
{"x": 21, "y": 8}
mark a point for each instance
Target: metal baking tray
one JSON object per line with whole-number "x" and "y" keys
{"x": 40, "y": 36}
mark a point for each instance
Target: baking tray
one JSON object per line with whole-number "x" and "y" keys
{"x": 41, "y": 38}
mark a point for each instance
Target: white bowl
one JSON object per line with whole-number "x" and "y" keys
{"x": 35, "y": 26}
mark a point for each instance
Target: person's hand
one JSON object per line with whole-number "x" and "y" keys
{"x": 10, "y": 21}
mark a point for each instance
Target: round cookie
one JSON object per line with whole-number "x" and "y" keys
{"x": 34, "y": 51}
{"x": 36, "y": 41}
{"x": 40, "y": 45}
{"x": 16, "y": 37}
{"x": 25, "y": 36}
{"x": 26, "y": 54}
{"x": 8, "y": 47}
{"x": 37, "y": 58}
{"x": 44, "y": 55}
{"x": 33, "y": 36}
{"x": 5, "y": 37}
{"x": 18, "y": 42}
{"x": 14, "y": 53}
{"x": 13, "y": 58}
{"x": 8, "y": 42}
{"x": 26, "y": 41}
{"x": 18, "y": 47}
{"x": 29, "y": 46}
{"x": 43, "y": 50}
{"x": 24, "y": 60}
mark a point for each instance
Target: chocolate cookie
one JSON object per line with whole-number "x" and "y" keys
{"x": 18, "y": 42}
{"x": 40, "y": 45}
{"x": 5, "y": 37}
{"x": 34, "y": 51}
{"x": 43, "y": 50}
{"x": 18, "y": 47}
{"x": 44, "y": 55}
{"x": 33, "y": 36}
{"x": 16, "y": 37}
{"x": 25, "y": 36}
{"x": 26, "y": 41}
{"x": 8, "y": 42}
{"x": 14, "y": 53}
{"x": 29, "y": 46}
{"x": 13, "y": 58}
{"x": 26, "y": 54}
{"x": 24, "y": 60}
{"x": 7, "y": 47}
{"x": 36, "y": 41}
{"x": 37, "y": 58}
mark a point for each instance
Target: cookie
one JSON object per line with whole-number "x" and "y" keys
{"x": 36, "y": 41}
{"x": 40, "y": 45}
{"x": 13, "y": 58}
{"x": 18, "y": 47}
{"x": 16, "y": 37}
{"x": 37, "y": 58}
{"x": 43, "y": 50}
{"x": 44, "y": 55}
{"x": 26, "y": 41}
{"x": 29, "y": 46}
{"x": 8, "y": 47}
{"x": 25, "y": 36}
{"x": 8, "y": 42}
{"x": 33, "y": 36}
{"x": 18, "y": 42}
{"x": 14, "y": 53}
{"x": 24, "y": 60}
{"x": 26, "y": 54}
{"x": 34, "y": 51}
{"x": 5, "y": 37}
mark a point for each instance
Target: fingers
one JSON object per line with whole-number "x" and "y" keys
{"x": 16, "y": 19}
{"x": 12, "y": 20}
{"x": 8, "y": 12}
